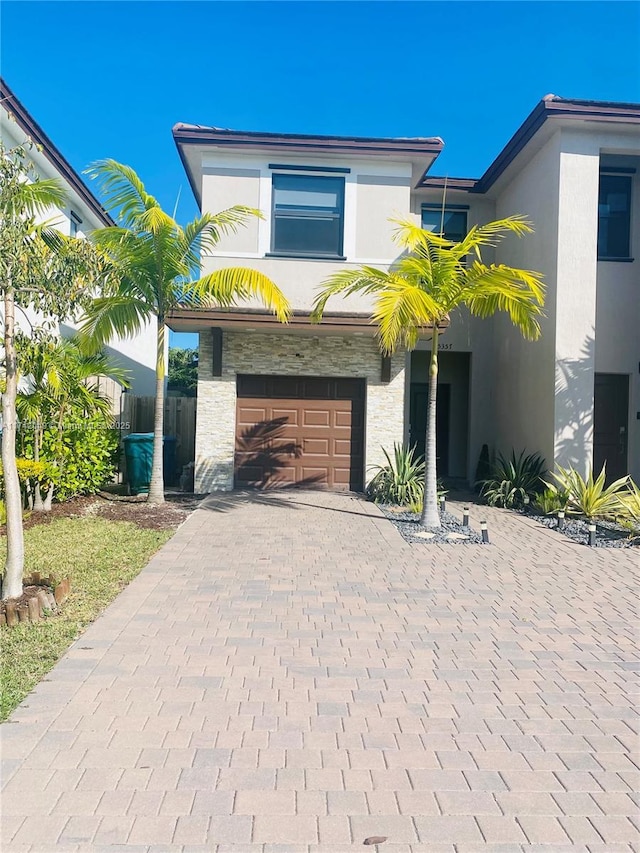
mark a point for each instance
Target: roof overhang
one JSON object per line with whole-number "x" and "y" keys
{"x": 199, "y": 319}
{"x": 191, "y": 139}
{"x": 61, "y": 165}
{"x": 549, "y": 113}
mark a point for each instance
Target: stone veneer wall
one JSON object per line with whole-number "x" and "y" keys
{"x": 289, "y": 355}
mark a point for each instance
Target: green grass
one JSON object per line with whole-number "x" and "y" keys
{"x": 100, "y": 557}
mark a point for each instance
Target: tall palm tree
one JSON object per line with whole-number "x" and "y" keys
{"x": 157, "y": 265}
{"x": 429, "y": 281}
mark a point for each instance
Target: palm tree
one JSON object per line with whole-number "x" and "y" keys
{"x": 157, "y": 264}
{"x": 429, "y": 281}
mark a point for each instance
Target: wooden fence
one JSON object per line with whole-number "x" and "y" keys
{"x": 179, "y": 421}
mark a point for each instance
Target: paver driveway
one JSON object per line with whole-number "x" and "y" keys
{"x": 288, "y": 674}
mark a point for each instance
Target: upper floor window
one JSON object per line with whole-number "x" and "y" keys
{"x": 308, "y": 216}
{"x": 74, "y": 224}
{"x": 614, "y": 217}
{"x": 452, "y": 223}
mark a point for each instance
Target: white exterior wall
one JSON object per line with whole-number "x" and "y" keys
{"x": 374, "y": 191}
{"x": 136, "y": 354}
{"x": 523, "y": 371}
{"x": 289, "y": 355}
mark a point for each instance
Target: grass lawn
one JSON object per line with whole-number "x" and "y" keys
{"x": 100, "y": 557}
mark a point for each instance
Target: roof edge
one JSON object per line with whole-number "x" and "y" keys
{"x": 32, "y": 129}
{"x": 552, "y": 106}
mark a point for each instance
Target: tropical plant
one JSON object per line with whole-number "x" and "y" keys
{"x": 158, "y": 264}
{"x": 630, "y": 506}
{"x": 401, "y": 480}
{"x": 513, "y": 479}
{"x": 551, "y": 500}
{"x": 60, "y": 408}
{"x": 183, "y": 371}
{"x": 86, "y": 456}
{"x": 433, "y": 278}
{"x": 41, "y": 270}
{"x": 590, "y": 497}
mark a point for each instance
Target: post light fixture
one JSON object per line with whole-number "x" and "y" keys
{"x": 465, "y": 516}
{"x": 485, "y": 532}
{"x": 592, "y": 535}
{"x": 443, "y": 504}
{"x": 560, "y": 519}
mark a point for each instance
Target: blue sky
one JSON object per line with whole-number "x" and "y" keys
{"x": 109, "y": 79}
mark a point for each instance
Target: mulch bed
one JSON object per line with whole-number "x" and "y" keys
{"x": 136, "y": 510}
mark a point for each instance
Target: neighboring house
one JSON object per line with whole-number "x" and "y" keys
{"x": 311, "y": 404}
{"x": 81, "y": 215}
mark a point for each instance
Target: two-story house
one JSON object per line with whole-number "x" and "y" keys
{"x": 81, "y": 215}
{"x": 316, "y": 404}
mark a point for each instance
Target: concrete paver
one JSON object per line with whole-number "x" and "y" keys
{"x": 289, "y": 676}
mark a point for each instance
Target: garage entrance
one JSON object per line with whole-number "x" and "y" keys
{"x": 300, "y": 431}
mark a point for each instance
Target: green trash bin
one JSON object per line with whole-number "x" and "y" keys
{"x": 138, "y": 453}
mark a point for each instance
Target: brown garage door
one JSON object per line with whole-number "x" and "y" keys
{"x": 300, "y": 431}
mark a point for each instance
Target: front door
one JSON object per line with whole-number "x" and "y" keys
{"x": 418, "y": 422}
{"x": 610, "y": 422}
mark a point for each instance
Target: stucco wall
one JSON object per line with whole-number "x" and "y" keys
{"x": 291, "y": 355}
{"x": 524, "y": 371}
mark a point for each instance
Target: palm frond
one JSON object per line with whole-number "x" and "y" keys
{"x": 107, "y": 317}
{"x": 519, "y": 293}
{"x": 363, "y": 280}
{"x": 226, "y": 286}
{"x": 33, "y": 198}
{"x": 401, "y": 310}
{"x": 123, "y": 190}
{"x": 493, "y": 233}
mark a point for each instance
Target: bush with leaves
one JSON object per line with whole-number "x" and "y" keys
{"x": 551, "y": 500}
{"x": 31, "y": 475}
{"x": 590, "y": 497}
{"x": 514, "y": 478}
{"x": 401, "y": 480}
{"x": 86, "y": 456}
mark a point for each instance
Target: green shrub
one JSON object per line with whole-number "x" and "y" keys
{"x": 590, "y": 497}
{"x": 401, "y": 480}
{"x": 30, "y": 475}
{"x": 85, "y": 454}
{"x": 551, "y": 500}
{"x": 513, "y": 479}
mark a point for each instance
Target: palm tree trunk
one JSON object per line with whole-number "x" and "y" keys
{"x": 430, "y": 515}
{"x": 14, "y": 566}
{"x": 156, "y": 488}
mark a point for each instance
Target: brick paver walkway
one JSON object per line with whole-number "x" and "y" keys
{"x": 288, "y": 674}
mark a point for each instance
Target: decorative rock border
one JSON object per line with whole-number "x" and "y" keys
{"x": 41, "y": 598}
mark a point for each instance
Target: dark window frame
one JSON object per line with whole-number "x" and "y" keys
{"x": 448, "y": 208}
{"x": 624, "y": 180}
{"x": 308, "y": 213}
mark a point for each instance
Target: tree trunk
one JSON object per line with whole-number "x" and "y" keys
{"x": 156, "y": 488}
{"x": 48, "y": 501}
{"x": 430, "y": 515}
{"x": 38, "y": 505}
{"x": 14, "y": 566}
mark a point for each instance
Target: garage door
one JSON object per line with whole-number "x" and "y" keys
{"x": 306, "y": 431}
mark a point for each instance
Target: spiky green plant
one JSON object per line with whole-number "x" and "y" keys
{"x": 551, "y": 500}
{"x": 514, "y": 478}
{"x": 591, "y": 497}
{"x": 401, "y": 480}
{"x": 629, "y": 505}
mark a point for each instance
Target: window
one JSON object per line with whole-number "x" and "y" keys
{"x": 308, "y": 216}
{"x": 614, "y": 219}
{"x": 453, "y": 224}
{"x": 74, "y": 224}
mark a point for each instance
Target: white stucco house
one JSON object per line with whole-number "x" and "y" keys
{"x": 81, "y": 215}
{"x": 315, "y": 404}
